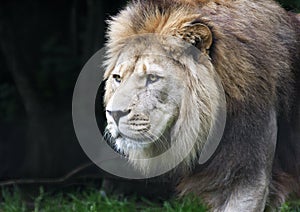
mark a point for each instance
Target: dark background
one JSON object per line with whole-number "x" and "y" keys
{"x": 43, "y": 46}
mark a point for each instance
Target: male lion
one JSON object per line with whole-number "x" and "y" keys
{"x": 160, "y": 93}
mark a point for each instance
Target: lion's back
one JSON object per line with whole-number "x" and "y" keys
{"x": 254, "y": 49}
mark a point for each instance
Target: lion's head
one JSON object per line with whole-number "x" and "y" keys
{"x": 161, "y": 94}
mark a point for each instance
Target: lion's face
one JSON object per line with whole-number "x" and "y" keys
{"x": 145, "y": 98}
{"x": 160, "y": 98}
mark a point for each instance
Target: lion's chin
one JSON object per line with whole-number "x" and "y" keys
{"x": 126, "y": 145}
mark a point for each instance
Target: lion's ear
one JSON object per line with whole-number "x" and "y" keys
{"x": 197, "y": 34}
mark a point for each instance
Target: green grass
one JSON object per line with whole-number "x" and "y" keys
{"x": 292, "y": 206}
{"x": 92, "y": 200}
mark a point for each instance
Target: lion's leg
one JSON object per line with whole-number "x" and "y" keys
{"x": 238, "y": 176}
{"x": 251, "y": 194}
{"x": 247, "y": 197}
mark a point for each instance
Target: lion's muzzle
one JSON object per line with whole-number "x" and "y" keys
{"x": 139, "y": 122}
{"x": 118, "y": 114}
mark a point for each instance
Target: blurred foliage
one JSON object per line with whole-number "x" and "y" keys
{"x": 57, "y": 73}
{"x": 8, "y": 102}
{"x": 293, "y": 5}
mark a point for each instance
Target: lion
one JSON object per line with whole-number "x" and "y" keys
{"x": 162, "y": 98}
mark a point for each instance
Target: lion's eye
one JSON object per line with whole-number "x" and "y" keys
{"x": 117, "y": 78}
{"x": 152, "y": 78}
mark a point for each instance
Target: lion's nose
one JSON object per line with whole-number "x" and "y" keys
{"x": 117, "y": 114}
